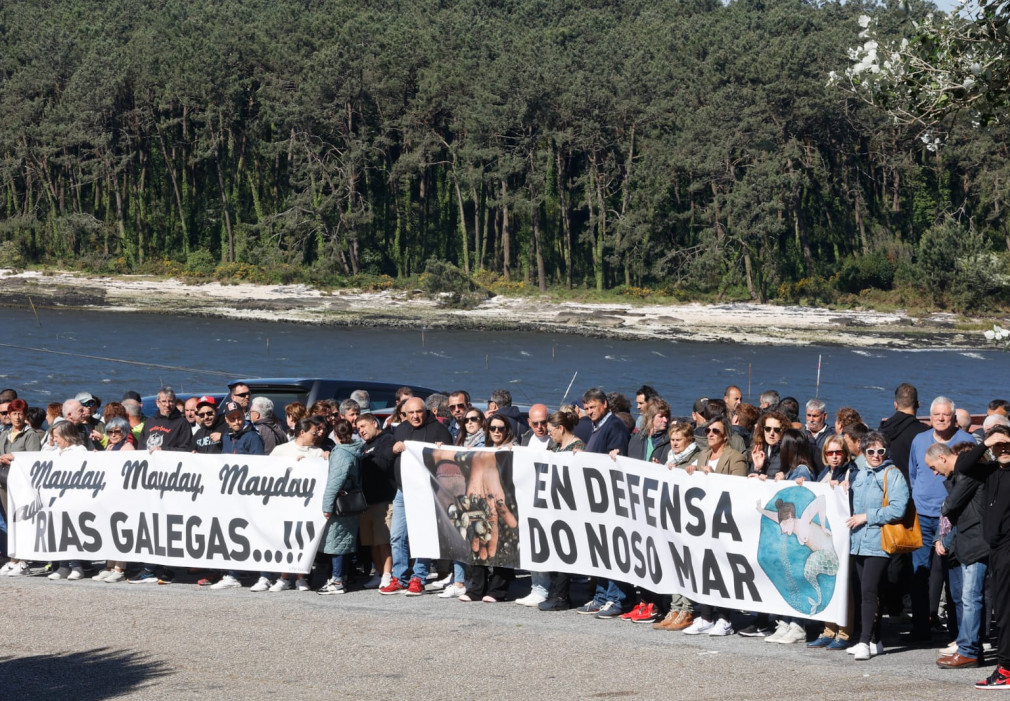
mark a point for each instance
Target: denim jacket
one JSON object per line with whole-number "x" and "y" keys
{"x": 867, "y": 496}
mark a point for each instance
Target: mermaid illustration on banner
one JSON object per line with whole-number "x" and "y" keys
{"x": 798, "y": 544}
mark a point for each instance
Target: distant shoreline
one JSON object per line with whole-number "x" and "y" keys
{"x": 745, "y": 323}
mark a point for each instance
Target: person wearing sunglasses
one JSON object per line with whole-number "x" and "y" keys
{"x": 471, "y": 432}
{"x": 764, "y": 452}
{"x": 240, "y": 394}
{"x": 837, "y": 461}
{"x": 210, "y": 426}
{"x": 720, "y": 458}
{"x": 459, "y": 405}
{"x": 499, "y": 433}
{"x": 868, "y": 515}
{"x": 538, "y": 435}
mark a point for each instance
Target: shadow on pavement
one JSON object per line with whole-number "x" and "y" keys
{"x": 94, "y": 674}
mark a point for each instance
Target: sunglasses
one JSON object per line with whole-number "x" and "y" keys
{"x": 1001, "y": 448}
{"x": 496, "y": 429}
{"x": 240, "y": 394}
{"x": 114, "y": 432}
{"x": 713, "y": 431}
{"x": 834, "y": 452}
{"x": 91, "y": 404}
{"x": 204, "y": 414}
{"x": 773, "y": 429}
{"x": 538, "y": 423}
{"x": 4, "y": 413}
{"x": 457, "y": 406}
{"x": 472, "y": 420}
{"x": 876, "y": 451}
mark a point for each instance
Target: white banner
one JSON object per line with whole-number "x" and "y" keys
{"x": 741, "y": 543}
{"x": 235, "y": 512}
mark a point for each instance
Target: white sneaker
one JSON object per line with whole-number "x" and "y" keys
{"x": 20, "y": 570}
{"x": 721, "y": 627}
{"x": 699, "y": 626}
{"x": 8, "y": 566}
{"x": 531, "y": 599}
{"x": 280, "y": 585}
{"x": 227, "y": 582}
{"x": 438, "y": 584}
{"x": 332, "y": 586}
{"x": 386, "y": 579}
{"x": 262, "y": 584}
{"x": 75, "y": 574}
{"x": 114, "y": 577}
{"x": 102, "y": 576}
{"x": 794, "y": 633}
{"x": 451, "y": 591}
{"x": 61, "y": 573}
{"x": 302, "y": 584}
{"x": 859, "y": 651}
{"x": 876, "y": 648}
{"x": 780, "y": 629}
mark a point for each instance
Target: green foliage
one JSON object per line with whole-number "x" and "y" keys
{"x": 636, "y": 146}
{"x": 451, "y": 286}
{"x": 809, "y": 291}
{"x": 11, "y": 256}
{"x": 861, "y": 272}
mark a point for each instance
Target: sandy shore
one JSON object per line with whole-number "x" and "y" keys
{"x": 731, "y": 323}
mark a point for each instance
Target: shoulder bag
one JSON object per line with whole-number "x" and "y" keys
{"x": 352, "y": 502}
{"x": 903, "y": 536}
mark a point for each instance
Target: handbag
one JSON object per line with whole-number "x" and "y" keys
{"x": 904, "y": 535}
{"x": 349, "y": 502}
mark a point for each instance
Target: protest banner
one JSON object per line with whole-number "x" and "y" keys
{"x": 773, "y": 547}
{"x": 236, "y": 512}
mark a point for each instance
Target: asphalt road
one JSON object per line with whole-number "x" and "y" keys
{"x": 90, "y": 640}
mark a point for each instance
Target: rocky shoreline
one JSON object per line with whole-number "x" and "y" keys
{"x": 760, "y": 324}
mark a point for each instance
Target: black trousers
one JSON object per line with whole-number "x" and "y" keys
{"x": 871, "y": 571}
{"x": 485, "y": 581}
{"x": 999, "y": 573}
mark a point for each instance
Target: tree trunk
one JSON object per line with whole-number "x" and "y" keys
{"x": 505, "y": 236}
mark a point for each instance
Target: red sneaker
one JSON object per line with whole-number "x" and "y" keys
{"x": 1000, "y": 679}
{"x": 630, "y": 615}
{"x": 394, "y": 587}
{"x": 647, "y": 613}
{"x": 416, "y": 587}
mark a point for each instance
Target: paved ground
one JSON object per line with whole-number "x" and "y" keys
{"x": 89, "y": 640}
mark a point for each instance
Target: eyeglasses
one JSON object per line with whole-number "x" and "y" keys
{"x": 204, "y": 414}
{"x": 713, "y": 431}
{"x": 834, "y": 452}
{"x": 876, "y": 451}
{"x": 472, "y": 420}
{"x": 496, "y": 429}
{"x": 114, "y": 432}
{"x": 773, "y": 429}
{"x": 240, "y": 394}
{"x": 538, "y": 423}
{"x": 457, "y": 406}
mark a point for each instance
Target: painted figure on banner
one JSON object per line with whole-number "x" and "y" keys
{"x": 475, "y": 505}
{"x": 797, "y": 552}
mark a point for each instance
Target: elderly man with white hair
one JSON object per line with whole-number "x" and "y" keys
{"x": 261, "y": 416}
{"x": 928, "y": 493}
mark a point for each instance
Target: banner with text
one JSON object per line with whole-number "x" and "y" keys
{"x": 236, "y": 512}
{"x": 767, "y": 546}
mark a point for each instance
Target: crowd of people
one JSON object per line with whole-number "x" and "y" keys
{"x": 950, "y": 471}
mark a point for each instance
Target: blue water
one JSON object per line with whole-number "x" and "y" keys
{"x": 534, "y": 366}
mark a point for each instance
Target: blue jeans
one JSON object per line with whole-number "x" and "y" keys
{"x": 967, "y": 588}
{"x": 400, "y": 545}
{"x": 609, "y": 590}
{"x": 338, "y": 567}
{"x": 458, "y": 573}
{"x": 924, "y": 581}
{"x": 541, "y": 582}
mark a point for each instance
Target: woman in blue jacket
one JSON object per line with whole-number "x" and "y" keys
{"x": 868, "y": 515}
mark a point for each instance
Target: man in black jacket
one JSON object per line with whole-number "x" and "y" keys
{"x": 968, "y": 555}
{"x": 902, "y": 426}
{"x": 995, "y": 473}
{"x": 421, "y": 426}
{"x": 379, "y": 485}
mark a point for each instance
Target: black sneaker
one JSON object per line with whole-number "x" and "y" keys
{"x": 999, "y": 679}
{"x": 753, "y": 631}
{"x": 555, "y": 604}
